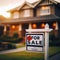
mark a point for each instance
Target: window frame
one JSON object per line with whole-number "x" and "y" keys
{"x": 45, "y": 10}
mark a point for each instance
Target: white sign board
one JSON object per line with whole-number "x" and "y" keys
{"x": 35, "y": 41}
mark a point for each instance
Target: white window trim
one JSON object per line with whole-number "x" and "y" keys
{"x": 26, "y": 13}
{"x": 45, "y": 11}
{"x": 15, "y": 15}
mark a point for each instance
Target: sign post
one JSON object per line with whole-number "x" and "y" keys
{"x": 35, "y": 40}
{"x": 47, "y": 42}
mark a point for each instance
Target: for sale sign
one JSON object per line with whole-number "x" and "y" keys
{"x": 34, "y": 41}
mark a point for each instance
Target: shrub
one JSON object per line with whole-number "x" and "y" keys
{"x": 54, "y": 41}
{"x": 11, "y": 46}
{"x": 15, "y": 35}
{"x": 20, "y": 39}
{"x": 13, "y": 39}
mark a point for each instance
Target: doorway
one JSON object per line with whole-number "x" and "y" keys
{"x": 24, "y": 27}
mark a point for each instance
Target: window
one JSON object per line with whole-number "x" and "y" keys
{"x": 26, "y": 13}
{"x": 16, "y": 15}
{"x": 45, "y": 10}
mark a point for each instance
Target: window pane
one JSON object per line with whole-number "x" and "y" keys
{"x": 45, "y": 11}
{"x": 16, "y": 15}
{"x": 26, "y": 13}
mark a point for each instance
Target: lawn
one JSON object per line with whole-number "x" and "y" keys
{"x": 54, "y": 50}
{"x": 24, "y": 55}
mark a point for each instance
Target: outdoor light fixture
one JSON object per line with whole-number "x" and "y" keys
{"x": 42, "y": 25}
{"x": 34, "y": 26}
{"x": 54, "y": 25}
{"x": 13, "y": 26}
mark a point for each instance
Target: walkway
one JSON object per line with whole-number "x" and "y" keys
{"x": 13, "y": 50}
{"x": 55, "y": 57}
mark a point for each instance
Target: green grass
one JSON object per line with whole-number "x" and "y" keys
{"x": 54, "y": 50}
{"x": 22, "y": 56}
{"x": 28, "y": 55}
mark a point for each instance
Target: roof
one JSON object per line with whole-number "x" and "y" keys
{"x": 33, "y": 19}
{"x": 53, "y": 1}
{"x": 33, "y": 5}
{"x": 27, "y": 3}
{"x": 19, "y": 7}
{"x": 2, "y": 17}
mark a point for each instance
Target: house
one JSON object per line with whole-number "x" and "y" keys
{"x": 32, "y": 15}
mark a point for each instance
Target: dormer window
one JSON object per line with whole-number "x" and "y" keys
{"x": 26, "y": 13}
{"x": 45, "y": 10}
{"x": 16, "y": 15}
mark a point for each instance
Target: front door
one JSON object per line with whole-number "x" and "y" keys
{"x": 24, "y": 27}
{"x": 1, "y": 30}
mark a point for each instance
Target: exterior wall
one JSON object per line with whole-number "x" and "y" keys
{"x": 21, "y": 12}
{"x": 11, "y": 14}
{"x": 57, "y": 10}
{"x": 31, "y": 13}
{"x": 38, "y": 12}
{"x": 52, "y": 9}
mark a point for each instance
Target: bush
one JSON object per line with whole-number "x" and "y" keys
{"x": 15, "y": 35}
{"x": 13, "y": 39}
{"x": 54, "y": 41}
{"x": 20, "y": 39}
{"x": 11, "y": 46}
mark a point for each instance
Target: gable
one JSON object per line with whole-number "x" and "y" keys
{"x": 46, "y": 2}
{"x": 25, "y": 6}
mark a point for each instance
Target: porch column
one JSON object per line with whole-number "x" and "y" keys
{"x": 56, "y": 26}
{"x": 30, "y": 26}
{"x": 20, "y": 30}
{"x": 5, "y": 29}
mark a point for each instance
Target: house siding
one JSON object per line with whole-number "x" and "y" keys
{"x": 38, "y": 12}
{"x": 52, "y": 9}
{"x": 57, "y": 11}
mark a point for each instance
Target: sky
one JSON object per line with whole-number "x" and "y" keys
{"x": 6, "y": 5}
{"x": 9, "y": 4}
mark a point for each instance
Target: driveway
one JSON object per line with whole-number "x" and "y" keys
{"x": 55, "y": 57}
